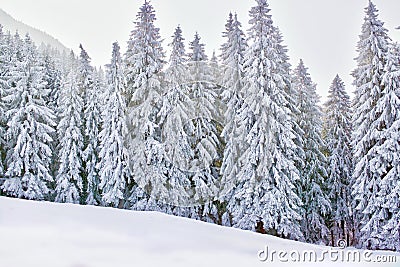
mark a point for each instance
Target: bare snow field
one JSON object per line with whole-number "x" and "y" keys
{"x": 43, "y": 234}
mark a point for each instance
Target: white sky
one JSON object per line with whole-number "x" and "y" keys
{"x": 322, "y": 32}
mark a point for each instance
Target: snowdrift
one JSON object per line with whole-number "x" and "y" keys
{"x": 43, "y": 234}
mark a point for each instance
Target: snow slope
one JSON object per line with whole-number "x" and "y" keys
{"x": 64, "y": 235}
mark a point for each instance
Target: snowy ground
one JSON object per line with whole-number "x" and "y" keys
{"x": 45, "y": 234}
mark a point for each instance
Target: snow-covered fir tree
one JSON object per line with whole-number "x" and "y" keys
{"x": 113, "y": 166}
{"x": 232, "y": 55}
{"x": 176, "y": 121}
{"x": 312, "y": 186}
{"x": 93, "y": 191}
{"x": 265, "y": 182}
{"x": 368, "y": 133}
{"x": 144, "y": 60}
{"x": 388, "y": 161}
{"x": 91, "y": 114}
{"x": 5, "y": 56}
{"x": 10, "y": 47}
{"x": 204, "y": 136}
{"x": 30, "y": 125}
{"x": 295, "y": 153}
{"x": 53, "y": 77}
{"x": 337, "y": 137}
{"x": 205, "y": 141}
{"x": 69, "y": 182}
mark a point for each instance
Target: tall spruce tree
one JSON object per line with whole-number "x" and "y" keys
{"x": 232, "y": 57}
{"x": 53, "y": 77}
{"x": 388, "y": 162}
{"x": 176, "y": 121}
{"x": 368, "y": 129}
{"x": 30, "y": 125}
{"x": 5, "y": 55}
{"x": 69, "y": 182}
{"x": 113, "y": 166}
{"x": 337, "y": 136}
{"x": 295, "y": 153}
{"x": 265, "y": 182}
{"x": 312, "y": 186}
{"x": 144, "y": 60}
{"x": 204, "y": 137}
{"x": 91, "y": 115}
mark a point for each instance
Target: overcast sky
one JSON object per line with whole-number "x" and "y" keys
{"x": 323, "y": 33}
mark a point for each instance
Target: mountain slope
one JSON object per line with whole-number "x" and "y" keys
{"x": 50, "y": 235}
{"x": 38, "y": 36}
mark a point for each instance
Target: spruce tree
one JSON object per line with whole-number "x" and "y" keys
{"x": 93, "y": 178}
{"x": 8, "y": 54}
{"x": 5, "y": 55}
{"x": 337, "y": 137}
{"x": 144, "y": 60}
{"x": 91, "y": 115}
{"x": 69, "y": 182}
{"x": 312, "y": 187}
{"x": 176, "y": 121}
{"x": 367, "y": 137}
{"x": 30, "y": 125}
{"x": 295, "y": 153}
{"x": 205, "y": 141}
{"x": 113, "y": 166}
{"x": 204, "y": 137}
{"x": 265, "y": 181}
{"x": 232, "y": 56}
{"x": 53, "y": 77}
{"x": 388, "y": 162}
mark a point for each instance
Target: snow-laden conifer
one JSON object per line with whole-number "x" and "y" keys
{"x": 265, "y": 182}
{"x": 30, "y": 125}
{"x": 91, "y": 115}
{"x": 176, "y": 120}
{"x": 144, "y": 60}
{"x": 5, "y": 56}
{"x": 312, "y": 186}
{"x": 368, "y": 130}
{"x": 337, "y": 137}
{"x": 69, "y": 182}
{"x": 388, "y": 161}
{"x": 205, "y": 141}
{"x": 232, "y": 55}
{"x": 113, "y": 166}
